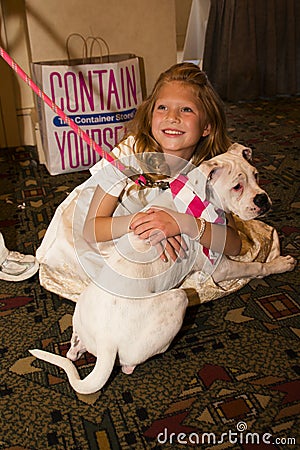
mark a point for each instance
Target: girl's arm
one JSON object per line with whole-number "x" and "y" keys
{"x": 99, "y": 225}
{"x": 162, "y": 224}
{"x": 157, "y": 225}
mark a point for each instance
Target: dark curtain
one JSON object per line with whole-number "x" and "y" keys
{"x": 252, "y": 48}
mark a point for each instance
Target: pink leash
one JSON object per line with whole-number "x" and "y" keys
{"x": 82, "y": 134}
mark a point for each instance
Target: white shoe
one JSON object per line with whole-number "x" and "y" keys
{"x": 18, "y": 267}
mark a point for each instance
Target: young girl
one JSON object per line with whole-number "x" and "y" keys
{"x": 179, "y": 125}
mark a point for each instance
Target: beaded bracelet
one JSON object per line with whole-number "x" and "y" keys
{"x": 201, "y": 229}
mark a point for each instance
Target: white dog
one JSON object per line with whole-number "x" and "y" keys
{"x": 136, "y": 327}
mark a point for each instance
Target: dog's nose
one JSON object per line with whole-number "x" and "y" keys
{"x": 261, "y": 200}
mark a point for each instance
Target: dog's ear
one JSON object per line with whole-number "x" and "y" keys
{"x": 200, "y": 177}
{"x": 238, "y": 149}
{"x": 211, "y": 169}
{"x": 247, "y": 153}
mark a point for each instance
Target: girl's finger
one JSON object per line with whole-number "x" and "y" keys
{"x": 156, "y": 237}
{"x": 161, "y": 252}
{"x": 169, "y": 249}
{"x": 181, "y": 241}
{"x": 177, "y": 247}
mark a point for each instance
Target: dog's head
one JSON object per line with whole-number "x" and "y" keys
{"x": 231, "y": 183}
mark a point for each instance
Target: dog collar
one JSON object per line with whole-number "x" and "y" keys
{"x": 144, "y": 181}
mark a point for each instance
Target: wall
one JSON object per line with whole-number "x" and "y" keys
{"x": 183, "y": 8}
{"x": 36, "y": 30}
{"x": 16, "y": 99}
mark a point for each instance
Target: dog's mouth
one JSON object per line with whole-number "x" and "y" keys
{"x": 261, "y": 205}
{"x": 263, "y": 211}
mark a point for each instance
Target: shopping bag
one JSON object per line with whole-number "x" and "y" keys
{"x": 101, "y": 94}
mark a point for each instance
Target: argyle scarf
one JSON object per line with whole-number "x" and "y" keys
{"x": 186, "y": 200}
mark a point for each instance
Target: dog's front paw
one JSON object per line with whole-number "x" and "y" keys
{"x": 282, "y": 264}
{"x": 290, "y": 262}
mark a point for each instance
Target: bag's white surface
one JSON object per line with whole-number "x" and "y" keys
{"x": 100, "y": 98}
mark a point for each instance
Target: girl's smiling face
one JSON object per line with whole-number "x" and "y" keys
{"x": 178, "y": 120}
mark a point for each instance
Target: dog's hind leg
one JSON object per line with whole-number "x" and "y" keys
{"x": 128, "y": 369}
{"x": 77, "y": 348}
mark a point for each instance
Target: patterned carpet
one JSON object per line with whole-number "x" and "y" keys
{"x": 230, "y": 379}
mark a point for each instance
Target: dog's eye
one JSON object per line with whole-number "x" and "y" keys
{"x": 256, "y": 175}
{"x": 237, "y": 187}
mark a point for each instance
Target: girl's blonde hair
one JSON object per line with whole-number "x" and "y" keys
{"x": 216, "y": 142}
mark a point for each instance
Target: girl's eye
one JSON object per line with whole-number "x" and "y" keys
{"x": 237, "y": 187}
{"x": 186, "y": 109}
{"x": 161, "y": 107}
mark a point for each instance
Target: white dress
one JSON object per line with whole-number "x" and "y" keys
{"x": 68, "y": 262}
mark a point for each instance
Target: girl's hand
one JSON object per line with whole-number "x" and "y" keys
{"x": 174, "y": 246}
{"x": 155, "y": 224}
{"x": 161, "y": 229}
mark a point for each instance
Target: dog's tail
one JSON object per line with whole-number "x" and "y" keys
{"x": 92, "y": 382}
